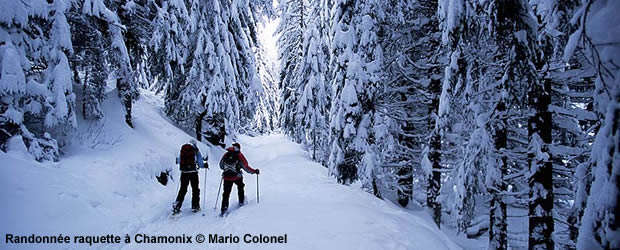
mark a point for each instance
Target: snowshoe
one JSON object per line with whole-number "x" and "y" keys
{"x": 175, "y": 208}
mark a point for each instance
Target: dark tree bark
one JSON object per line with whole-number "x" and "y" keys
{"x": 128, "y": 104}
{"x": 498, "y": 226}
{"x": 541, "y": 180}
{"x": 199, "y": 120}
{"x": 429, "y": 10}
{"x": 405, "y": 173}
{"x": 84, "y": 93}
{"x": 405, "y": 182}
{"x": 434, "y": 156}
{"x": 375, "y": 188}
{"x": 122, "y": 86}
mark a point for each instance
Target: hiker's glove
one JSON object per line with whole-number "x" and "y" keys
{"x": 206, "y": 164}
{"x": 257, "y": 171}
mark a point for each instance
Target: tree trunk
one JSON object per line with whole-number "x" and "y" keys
{"x": 122, "y": 87}
{"x": 314, "y": 144}
{"x": 314, "y": 128}
{"x": 434, "y": 181}
{"x": 405, "y": 182}
{"x": 405, "y": 173}
{"x": 541, "y": 180}
{"x": 498, "y": 226}
{"x": 199, "y": 120}
{"x": 375, "y": 188}
{"x": 85, "y": 93}
{"x": 128, "y": 104}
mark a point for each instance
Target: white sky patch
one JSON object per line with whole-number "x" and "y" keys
{"x": 268, "y": 37}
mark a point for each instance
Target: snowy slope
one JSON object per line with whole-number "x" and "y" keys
{"x": 105, "y": 185}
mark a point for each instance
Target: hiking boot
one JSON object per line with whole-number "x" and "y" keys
{"x": 195, "y": 209}
{"x": 176, "y": 208}
{"x": 243, "y": 201}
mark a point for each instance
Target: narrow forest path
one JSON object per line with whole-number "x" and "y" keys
{"x": 104, "y": 185}
{"x": 298, "y": 199}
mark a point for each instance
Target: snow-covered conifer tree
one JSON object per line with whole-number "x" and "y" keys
{"x": 314, "y": 97}
{"x": 293, "y": 19}
{"x": 598, "y": 225}
{"x": 357, "y": 60}
{"x": 344, "y": 96}
{"x": 204, "y": 54}
{"x": 35, "y": 77}
{"x": 118, "y": 56}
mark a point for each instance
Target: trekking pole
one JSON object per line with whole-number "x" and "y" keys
{"x": 204, "y": 196}
{"x": 257, "y": 193}
{"x": 218, "y": 195}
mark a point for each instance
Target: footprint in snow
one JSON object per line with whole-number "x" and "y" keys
{"x": 94, "y": 204}
{"x": 120, "y": 194}
{"x": 63, "y": 195}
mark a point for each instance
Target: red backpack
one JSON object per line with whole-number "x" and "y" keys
{"x": 231, "y": 164}
{"x": 188, "y": 158}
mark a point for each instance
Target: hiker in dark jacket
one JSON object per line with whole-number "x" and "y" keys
{"x": 231, "y": 163}
{"x": 190, "y": 160}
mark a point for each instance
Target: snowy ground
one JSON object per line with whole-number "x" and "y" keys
{"x": 105, "y": 185}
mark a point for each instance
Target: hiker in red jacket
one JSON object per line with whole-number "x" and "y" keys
{"x": 231, "y": 163}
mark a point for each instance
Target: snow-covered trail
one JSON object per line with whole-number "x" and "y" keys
{"x": 104, "y": 185}
{"x": 298, "y": 199}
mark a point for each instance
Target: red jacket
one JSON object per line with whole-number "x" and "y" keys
{"x": 244, "y": 165}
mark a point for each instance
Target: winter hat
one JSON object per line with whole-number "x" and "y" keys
{"x": 237, "y": 146}
{"x": 193, "y": 142}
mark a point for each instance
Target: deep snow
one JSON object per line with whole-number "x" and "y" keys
{"x": 105, "y": 185}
